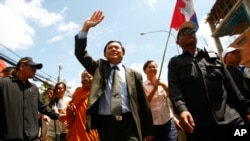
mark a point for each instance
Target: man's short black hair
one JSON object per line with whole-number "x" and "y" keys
{"x": 120, "y": 43}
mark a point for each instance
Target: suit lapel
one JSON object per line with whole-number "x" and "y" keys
{"x": 130, "y": 80}
{"x": 99, "y": 82}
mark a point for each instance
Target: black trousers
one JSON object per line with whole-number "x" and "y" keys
{"x": 111, "y": 129}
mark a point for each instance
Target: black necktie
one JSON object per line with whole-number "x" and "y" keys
{"x": 116, "y": 93}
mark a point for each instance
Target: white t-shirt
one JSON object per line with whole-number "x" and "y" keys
{"x": 59, "y": 107}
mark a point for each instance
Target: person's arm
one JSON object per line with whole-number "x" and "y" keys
{"x": 175, "y": 88}
{"x": 235, "y": 97}
{"x": 173, "y": 115}
{"x": 186, "y": 121}
{"x": 82, "y": 35}
{"x": 71, "y": 114}
{"x": 156, "y": 84}
{"x": 81, "y": 42}
{"x": 164, "y": 86}
{"x": 47, "y": 110}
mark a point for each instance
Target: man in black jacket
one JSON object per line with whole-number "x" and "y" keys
{"x": 201, "y": 91}
{"x": 20, "y": 102}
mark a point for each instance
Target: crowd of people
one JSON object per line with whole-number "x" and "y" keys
{"x": 204, "y": 97}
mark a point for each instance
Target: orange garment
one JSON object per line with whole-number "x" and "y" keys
{"x": 2, "y": 66}
{"x": 77, "y": 123}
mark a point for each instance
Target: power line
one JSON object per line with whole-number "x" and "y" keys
{"x": 10, "y": 50}
{"x": 10, "y": 61}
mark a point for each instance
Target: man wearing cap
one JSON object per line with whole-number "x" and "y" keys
{"x": 20, "y": 102}
{"x": 231, "y": 57}
{"x": 197, "y": 89}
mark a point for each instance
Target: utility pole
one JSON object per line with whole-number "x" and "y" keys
{"x": 59, "y": 72}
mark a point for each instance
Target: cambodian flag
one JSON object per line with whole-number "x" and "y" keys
{"x": 184, "y": 11}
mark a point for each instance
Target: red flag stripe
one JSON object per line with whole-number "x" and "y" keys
{"x": 184, "y": 11}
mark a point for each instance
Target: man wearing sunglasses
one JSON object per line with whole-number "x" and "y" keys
{"x": 20, "y": 102}
{"x": 202, "y": 93}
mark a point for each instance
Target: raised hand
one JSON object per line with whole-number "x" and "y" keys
{"x": 92, "y": 21}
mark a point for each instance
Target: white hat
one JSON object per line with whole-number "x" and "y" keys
{"x": 229, "y": 49}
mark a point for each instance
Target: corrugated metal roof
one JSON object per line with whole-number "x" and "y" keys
{"x": 229, "y": 17}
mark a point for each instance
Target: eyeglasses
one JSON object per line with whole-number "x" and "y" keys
{"x": 187, "y": 31}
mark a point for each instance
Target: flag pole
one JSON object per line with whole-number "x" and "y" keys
{"x": 164, "y": 53}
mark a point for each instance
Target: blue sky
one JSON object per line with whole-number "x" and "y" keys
{"x": 45, "y": 30}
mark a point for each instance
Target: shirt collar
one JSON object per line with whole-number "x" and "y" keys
{"x": 118, "y": 65}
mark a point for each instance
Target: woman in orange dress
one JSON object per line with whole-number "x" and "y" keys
{"x": 76, "y": 113}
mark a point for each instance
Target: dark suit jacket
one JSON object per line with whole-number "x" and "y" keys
{"x": 201, "y": 86}
{"x": 100, "y": 69}
{"x": 240, "y": 81}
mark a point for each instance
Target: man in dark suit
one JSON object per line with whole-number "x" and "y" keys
{"x": 135, "y": 122}
{"x": 202, "y": 92}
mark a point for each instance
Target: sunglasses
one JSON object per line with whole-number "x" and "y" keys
{"x": 32, "y": 67}
{"x": 187, "y": 31}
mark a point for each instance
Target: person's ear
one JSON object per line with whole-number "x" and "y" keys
{"x": 22, "y": 65}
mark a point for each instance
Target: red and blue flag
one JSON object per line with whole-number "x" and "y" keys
{"x": 184, "y": 11}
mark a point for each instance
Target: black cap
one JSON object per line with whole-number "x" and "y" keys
{"x": 29, "y": 61}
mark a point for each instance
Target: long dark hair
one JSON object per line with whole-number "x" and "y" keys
{"x": 55, "y": 99}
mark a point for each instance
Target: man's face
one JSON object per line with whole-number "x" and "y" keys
{"x": 233, "y": 58}
{"x": 28, "y": 70}
{"x": 114, "y": 53}
{"x": 187, "y": 36}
